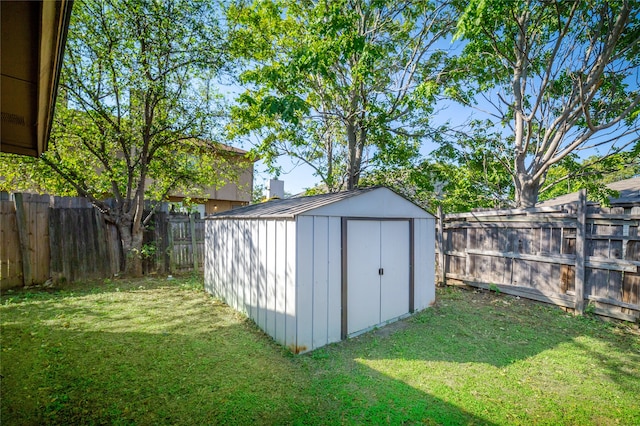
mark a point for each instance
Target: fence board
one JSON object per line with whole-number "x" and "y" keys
{"x": 22, "y": 223}
{"x": 41, "y": 251}
{"x": 186, "y": 238}
{"x": 10, "y": 259}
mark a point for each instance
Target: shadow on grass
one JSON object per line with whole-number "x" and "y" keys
{"x": 478, "y": 358}
{"x": 499, "y": 330}
{"x": 168, "y": 356}
{"x": 496, "y": 330}
{"x": 164, "y": 354}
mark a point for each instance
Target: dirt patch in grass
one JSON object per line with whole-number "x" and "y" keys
{"x": 391, "y": 329}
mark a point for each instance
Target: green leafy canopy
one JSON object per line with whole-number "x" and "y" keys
{"x": 341, "y": 85}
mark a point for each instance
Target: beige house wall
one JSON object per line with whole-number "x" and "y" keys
{"x": 231, "y": 195}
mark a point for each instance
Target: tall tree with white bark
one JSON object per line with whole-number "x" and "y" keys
{"x": 554, "y": 77}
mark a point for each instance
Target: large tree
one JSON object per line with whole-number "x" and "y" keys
{"x": 592, "y": 173}
{"x": 339, "y": 84}
{"x": 555, "y": 78}
{"x": 458, "y": 177}
{"x": 135, "y": 115}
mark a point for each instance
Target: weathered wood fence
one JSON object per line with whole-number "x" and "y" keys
{"x": 67, "y": 239}
{"x": 179, "y": 242}
{"x": 575, "y": 256}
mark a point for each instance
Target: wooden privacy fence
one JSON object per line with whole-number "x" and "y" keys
{"x": 82, "y": 244}
{"x": 572, "y": 256}
{"x": 66, "y": 239}
{"x": 175, "y": 242}
{"x": 24, "y": 225}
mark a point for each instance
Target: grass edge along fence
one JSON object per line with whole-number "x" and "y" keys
{"x": 577, "y": 256}
{"x": 44, "y": 238}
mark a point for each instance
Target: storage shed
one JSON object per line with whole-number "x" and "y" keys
{"x": 314, "y": 270}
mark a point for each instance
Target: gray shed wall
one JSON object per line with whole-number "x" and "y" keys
{"x": 251, "y": 266}
{"x": 319, "y": 281}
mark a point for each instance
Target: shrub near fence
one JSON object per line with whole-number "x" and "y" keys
{"x": 67, "y": 239}
{"x": 573, "y": 257}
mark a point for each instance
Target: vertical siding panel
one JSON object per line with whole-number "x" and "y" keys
{"x": 262, "y": 275}
{"x": 243, "y": 260}
{"x": 224, "y": 269}
{"x": 219, "y": 266}
{"x": 212, "y": 257}
{"x": 304, "y": 289}
{"x": 257, "y": 271}
{"x": 238, "y": 261}
{"x": 228, "y": 247}
{"x": 271, "y": 278}
{"x": 424, "y": 263}
{"x": 320, "y": 278}
{"x": 208, "y": 267}
{"x": 229, "y": 266}
{"x": 217, "y": 253}
{"x": 290, "y": 285}
{"x": 233, "y": 264}
{"x": 235, "y": 257}
{"x": 217, "y": 262}
{"x": 419, "y": 264}
{"x": 334, "y": 280}
{"x": 217, "y": 258}
{"x": 280, "y": 282}
{"x": 253, "y": 271}
{"x": 246, "y": 262}
{"x": 429, "y": 242}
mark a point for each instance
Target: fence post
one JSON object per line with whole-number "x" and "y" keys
{"x": 23, "y": 236}
{"x": 194, "y": 246}
{"x": 581, "y": 231}
{"x": 440, "y": 242}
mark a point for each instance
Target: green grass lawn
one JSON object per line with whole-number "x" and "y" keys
{"x": 163, "y": 352}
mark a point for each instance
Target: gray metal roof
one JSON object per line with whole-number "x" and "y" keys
{"x": 628, "y": 194}
{"x": 288, "y": 207}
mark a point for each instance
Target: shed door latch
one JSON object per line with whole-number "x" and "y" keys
{"x": 381, "y": 271}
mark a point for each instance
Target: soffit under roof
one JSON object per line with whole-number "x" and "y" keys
{"x": 32, "y": 46}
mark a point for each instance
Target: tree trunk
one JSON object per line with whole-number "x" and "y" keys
{"x": 131, "y": 238}
{"x": 527, "y": 191}
{"x": 352, "y": 167}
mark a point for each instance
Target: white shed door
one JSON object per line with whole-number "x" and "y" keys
{"x": 377, "y": 272}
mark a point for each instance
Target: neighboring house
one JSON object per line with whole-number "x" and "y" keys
{"x": 231, "y": 195}
{"x": 628, "y": 195}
